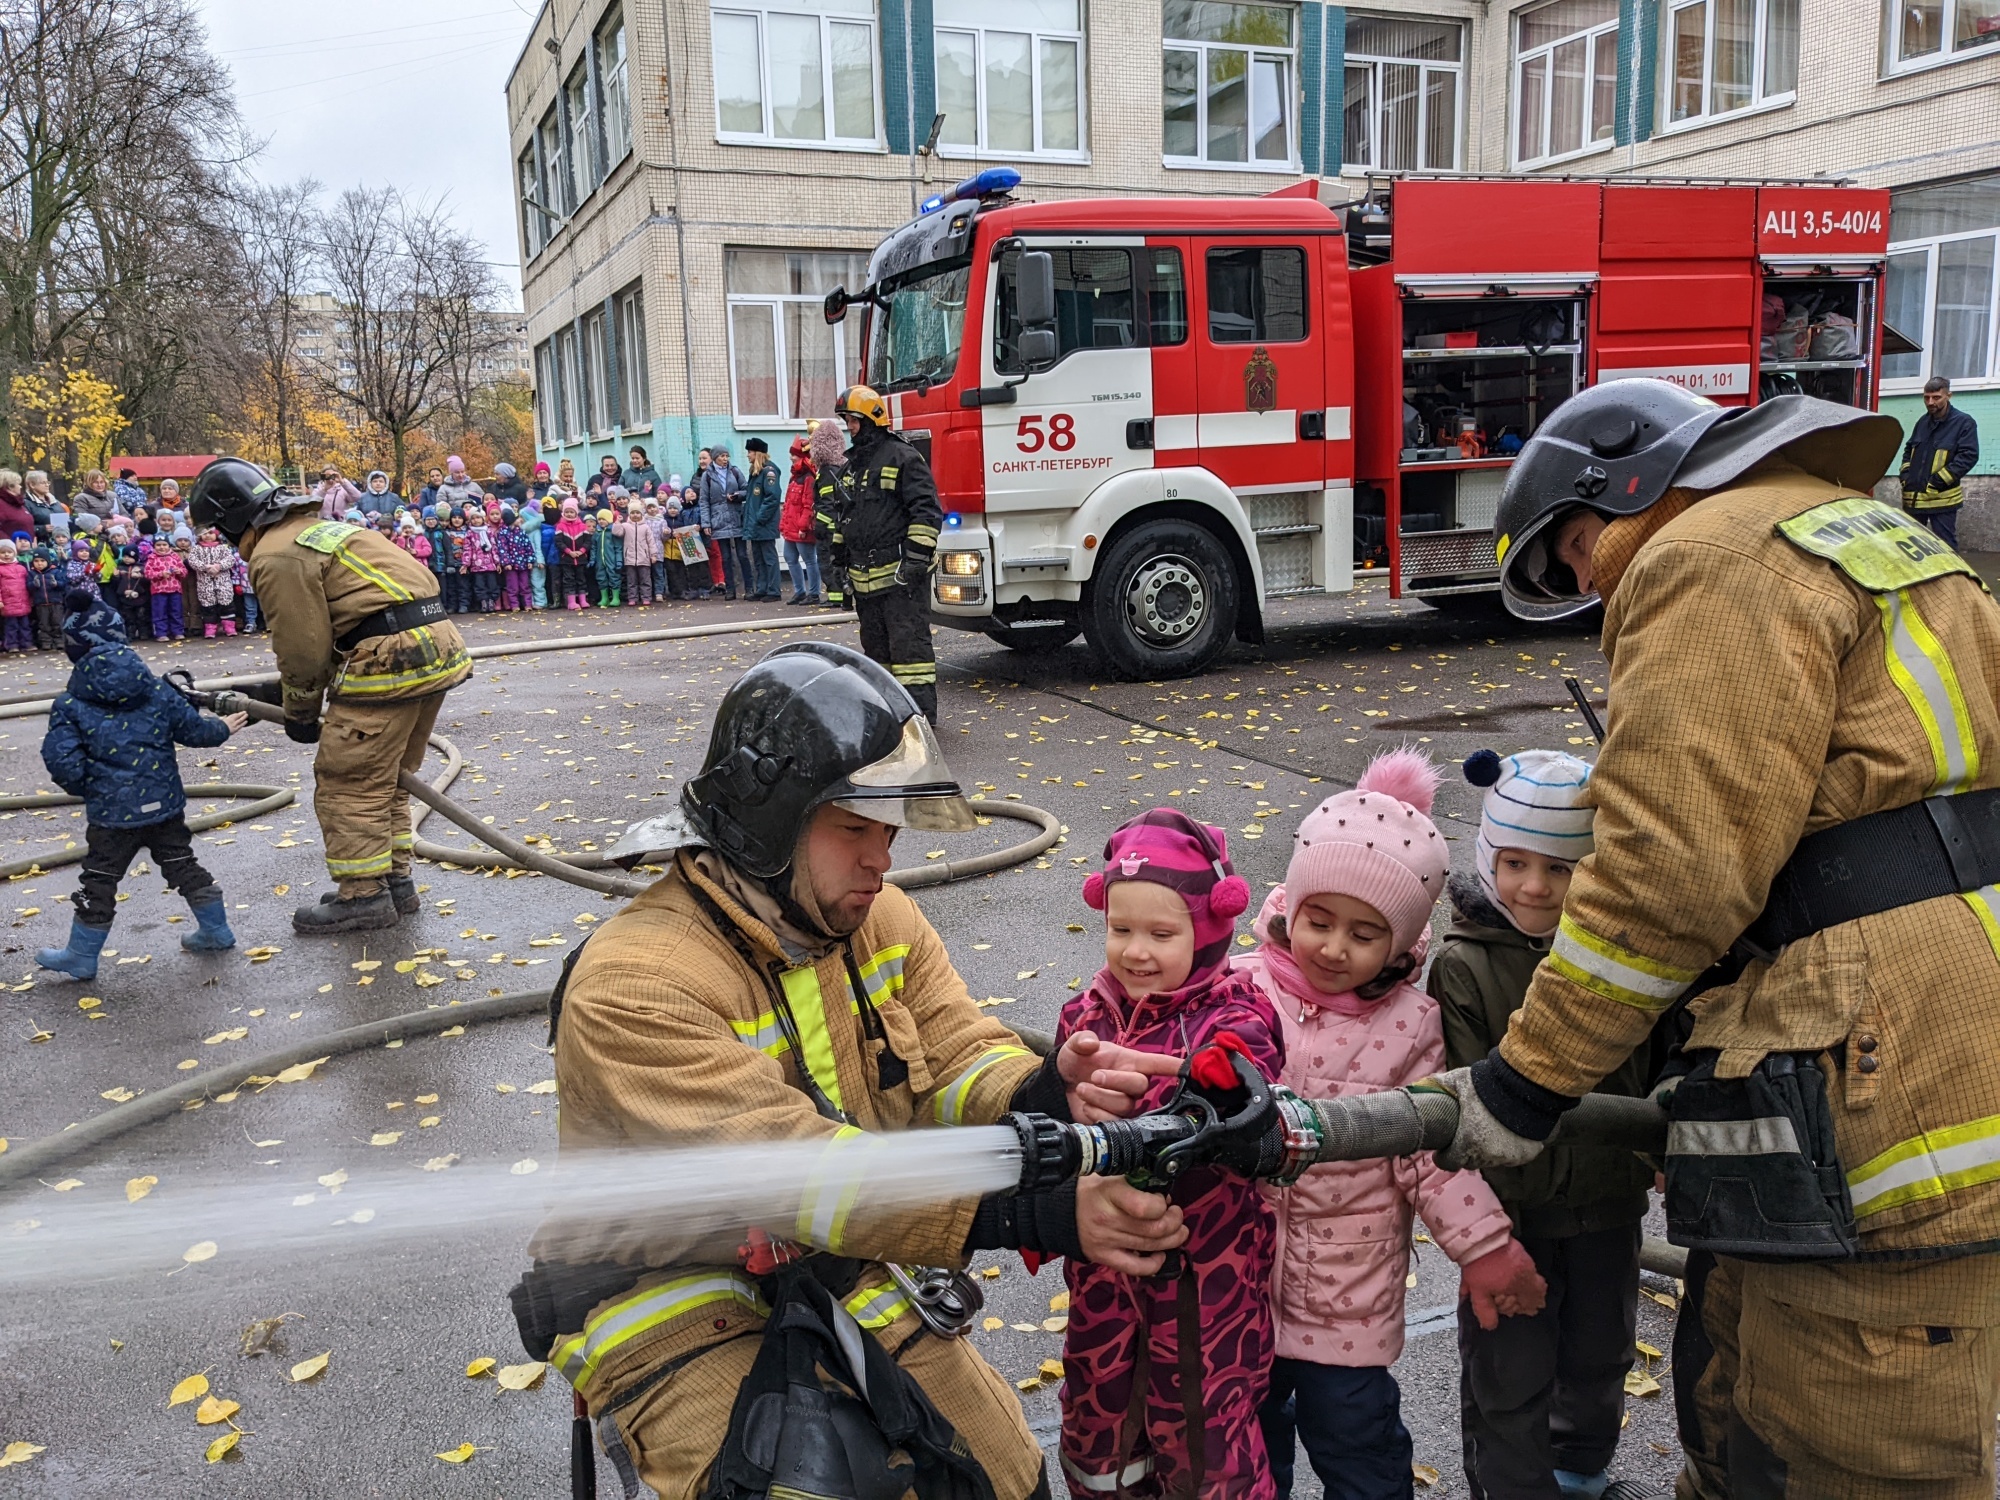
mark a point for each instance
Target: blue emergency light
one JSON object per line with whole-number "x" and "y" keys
{"x": 992, "y": 180}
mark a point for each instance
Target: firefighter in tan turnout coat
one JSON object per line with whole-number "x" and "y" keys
{"x": 1797, "y": 787}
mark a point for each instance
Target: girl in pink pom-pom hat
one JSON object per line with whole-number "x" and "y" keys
{"x": 1163, "y": 1374}
{"x": 1343, "y": 939}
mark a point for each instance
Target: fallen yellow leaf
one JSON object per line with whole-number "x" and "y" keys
{"x": 524, "y": 1166}
{"x": 1665, "y": 1299}
{"x": 991, "y": 1273}
{"x": 235, "y": 1035}
{"x": 478, "y": 1368}
{"x": 1032, "y": 1383}
{"x": 459, "y": 1454}
{"x": 137, "y": 1188}
{"x": 194, "y": 1254}
{"x": 427, "y": 1098}
{"x": 221, "y": 1446}
{"x": 299, "y": 1072}
{"x": 992, "y": 1323}
{"x": 1025, "y": 1327}
{"x": 1056, "y": 1324}
{"x": 546, "y": 1086}
{"x": 385, "y": 1137}
{"x": 522, "y": 1377}
{"x": 188, "y": 1389}
{"x": 118, "y": 1095}
{"x": 1051, "y": 1369}
{"x": 67, "y": 1184}
{"x": 19, "y": 1453}
{"x": 1648, "y": 1350}
{"x": 88, "y": 1002}
{"x": 334, "y": 1179}
{"x": 429, "y": 1120}
{"x": 1639, "y": 1383}
{"x": 214, "y": 1409}
{"x": 365, "y": 965}
{"x": 307, "y": 1369}
{"x": 1424, "y": 1474}
{"x": 1059, "y": 1302}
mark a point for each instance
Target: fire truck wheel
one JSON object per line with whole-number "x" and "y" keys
{"x": 1163, "y": 601}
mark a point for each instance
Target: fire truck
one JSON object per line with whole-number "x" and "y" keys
{"x": 1150, "y": 417}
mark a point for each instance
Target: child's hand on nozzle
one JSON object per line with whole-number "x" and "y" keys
{"x": 1502, "y": 1283}
{"x": 235, "y": 721}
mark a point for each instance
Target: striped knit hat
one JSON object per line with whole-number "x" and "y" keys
{"x": 1536, "y": 800}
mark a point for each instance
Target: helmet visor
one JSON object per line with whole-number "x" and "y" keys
{"x": 911, "y": 786}
{"x": 1533, "y": 583}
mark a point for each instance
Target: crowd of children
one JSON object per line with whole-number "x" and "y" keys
{"x": 1275, "y": 1325}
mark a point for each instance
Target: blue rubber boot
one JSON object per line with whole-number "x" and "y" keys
{"x": 79, "y": 959}
{"x": 213, "y": 936}
{"x": 1575, "y": 1486}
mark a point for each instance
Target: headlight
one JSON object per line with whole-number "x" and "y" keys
{"x": 960, "y": 593}
{"x": 963, "y": 564}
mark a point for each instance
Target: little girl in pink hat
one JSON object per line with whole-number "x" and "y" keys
{"x": 1343, "y": 938}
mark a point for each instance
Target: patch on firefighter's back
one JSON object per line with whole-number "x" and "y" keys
{"x": 326, "y": 536}
{"x": 1260, "y": 381}
{"x": 1876, "y": 545}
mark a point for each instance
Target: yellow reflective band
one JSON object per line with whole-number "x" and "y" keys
{"x": 878, "y": 1306}
{"x": 1985, "y": 904}
{"x": 1933, "y": 1164}
{"x": 374, "y": 575}
{"x": 835, "y": 1184}
{"x": 923, "y": 536}
{"x": 365, "y": 683}
{"x": 809, "y": 1015}
{"x": 403, "y": 841}
{"x": 1920, "y": 666}
{"x": 882, "y": 975}
{"x": 356, "y": 869}
{"x": 915, "y": 671}
{"x": 576, "y": 1358}
{"x": 1604, "y": 968}
{"x": 764, "y": 1034}
{"x": 885, "y": 570}
{"x": 950, "y": 1104}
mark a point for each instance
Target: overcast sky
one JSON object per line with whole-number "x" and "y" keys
{"x": 400, "y": 92}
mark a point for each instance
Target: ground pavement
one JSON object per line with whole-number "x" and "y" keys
{"x": 571, "y": 746}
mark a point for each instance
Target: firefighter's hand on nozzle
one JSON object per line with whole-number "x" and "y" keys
{"x": 1481, "y": 1141}
{"x": 302, "y": 731}
{"x": 1105, "y": 1081}
{"x": 1125, "y": 1229}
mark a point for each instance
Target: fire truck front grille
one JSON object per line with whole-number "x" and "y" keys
{"x": 1447, "y": 557}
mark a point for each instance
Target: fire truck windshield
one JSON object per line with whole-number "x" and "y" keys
{"x": 917, "y": 327}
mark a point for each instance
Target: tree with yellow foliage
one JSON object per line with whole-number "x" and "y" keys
{"x": 63, "y": 416}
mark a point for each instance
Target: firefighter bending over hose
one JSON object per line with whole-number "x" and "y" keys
{"x": 770, "y": 987}
{"x": 881, "y": 518}
{"x": 1798, "y": 840}
{"x": 365, "y": 657}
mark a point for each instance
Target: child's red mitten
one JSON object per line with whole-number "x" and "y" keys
{"x": 1502, "y": 1283}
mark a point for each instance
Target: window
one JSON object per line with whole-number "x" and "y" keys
{"x": 635, "y": 384}
{"x": 1727, "y": 55}
{"x": 613, "y": 91}
{"x": 1257, "y": 295}
{"x": 1227, "y": 84}
{"x": 1943, "y": 245}
{"x": 1918, "y": 29}
{"x": 582, "y": 129}
{"x": 786, "y": 365}
{"x": 1402, "y": 94}
{"x": 1565, "y": 79}
{"x": 532, "y": 234}
{"x": 597, "y": 385}
{"x": 569, "y": 380}
{"x": 555, "y": 178}
{"x": 1014, "y": 88}
{"x": 1102, "y": 302}
{"x": 786, "y": 73}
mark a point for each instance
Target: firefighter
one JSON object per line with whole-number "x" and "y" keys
{"x": 770, "y": 987}
{"x": 365, "y": 656}
{"x": 1942, "y": 450}
{"x": 883, "y": 533}
{"x": 1796, "y": 797}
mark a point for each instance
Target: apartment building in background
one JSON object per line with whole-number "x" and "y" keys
{"x": 695, "y": 175}
{"x": 322, "y": 339}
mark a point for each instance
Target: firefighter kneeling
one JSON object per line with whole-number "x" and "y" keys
{"x": 356, "y": 621}
{"x": 770, "y": 987}
{"x": 1798, "y": 830}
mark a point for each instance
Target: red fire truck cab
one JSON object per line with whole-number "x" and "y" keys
{"x": 1148, "y": 417}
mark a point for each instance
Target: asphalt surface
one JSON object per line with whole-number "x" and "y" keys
{"x": 571, "y": 745}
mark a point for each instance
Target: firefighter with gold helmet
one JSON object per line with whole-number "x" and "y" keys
{"x": 365, "y": 656}
{"x": 881, "y": 518}
{"x": 1797, "y": 871}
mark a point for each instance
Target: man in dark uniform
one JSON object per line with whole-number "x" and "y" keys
{"x": 882, "y": 522}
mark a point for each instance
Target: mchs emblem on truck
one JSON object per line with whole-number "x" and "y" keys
{"x": 1260, "y": 381}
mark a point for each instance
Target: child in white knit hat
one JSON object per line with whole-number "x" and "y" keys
{"x": 1542, "y": 1397}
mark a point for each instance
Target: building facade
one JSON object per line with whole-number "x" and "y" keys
{"x": 322, "y": 340}
{"x": 695, "y": 175}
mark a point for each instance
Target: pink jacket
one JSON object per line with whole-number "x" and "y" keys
{"x": 1344, "y": 1228}
{"x": 14, "y": 603}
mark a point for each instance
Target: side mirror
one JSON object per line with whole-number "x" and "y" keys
{"x": 836, "y": 304}
{"x": 1035, "y": 302}
{"x": 1037, "y": 348}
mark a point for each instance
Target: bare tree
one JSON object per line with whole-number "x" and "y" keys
{"x": 411, "y": 288}
{"x": 276, "y": 231}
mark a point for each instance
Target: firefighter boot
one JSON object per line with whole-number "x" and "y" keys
{"x": 403, "y": 891}
{"x": 347, "y": 914}
{"x": 79, "y": 959}
{"x": 213, "y": 935}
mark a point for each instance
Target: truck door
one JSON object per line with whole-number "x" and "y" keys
{"x": 1085, "y": 418}
{"x": 1261, "y": 371}
{"x": 1677, "y": 297}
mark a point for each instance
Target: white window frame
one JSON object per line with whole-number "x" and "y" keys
{"x": 570, "y": 376}
{"x": 534, "y": 234}
{"x": 548, "y": 395}
{"x": 1602, "y": 34}
{"x": 1896, "y": 65}
{"x": 1376, "y": 63}
{"x": 581, "y": 133}
{"x": 1759, "y": 100}
{"x": 775, "y": 302}
{"x": 1254, "y": 53}
{"x": 552, "y": 163}
{"x": 635, "y": 386}
{"x": 1905, "y": 385}
{"x": 597, "y": 375}
{"x": 614, "y": 88}
{"x": 1035, "y": 39}
{"x": 765, "y": 137}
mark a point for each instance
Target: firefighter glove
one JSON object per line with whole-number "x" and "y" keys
{"x": 1482, "y": 1141}
{"x": 911, "y": 573}
{"x": 302, "y": 731}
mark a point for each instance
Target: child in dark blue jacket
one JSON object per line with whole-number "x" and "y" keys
{"x": 111, "y": 742}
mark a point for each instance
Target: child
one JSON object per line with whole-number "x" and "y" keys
{"x": 1170, "y": 903}
{"x": 609, "y": 557}
{"x": 1541, "y": 1399}
{"x": 246, "y": 594}
{"x": 516, "y": 553}
{"x": 47, "y": 583}
{"x": 111, "y": 742}
{"x": 81, "y": 572}
{"x": 573, "y": 546}
{"x": 165, "y": 570}
{"x": 531, "y": 526}
{"x": 1343, "y": 937}
{"x": 412, "y": 540}
{"x": 458, "y": 577}
{"x": 17, "y": 631}
{"x": 211, "y": 559}
{"x": 638, "y": 548}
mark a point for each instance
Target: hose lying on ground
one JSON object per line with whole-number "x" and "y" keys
{"x": 267, "y": 799}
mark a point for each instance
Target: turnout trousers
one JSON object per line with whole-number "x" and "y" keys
{"x": 1839, "y": 1382}
{"x": 896, "y": 631}
{"x": 364, "y": 816}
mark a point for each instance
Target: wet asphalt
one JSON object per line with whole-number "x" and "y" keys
{"x": 571, "y": 746}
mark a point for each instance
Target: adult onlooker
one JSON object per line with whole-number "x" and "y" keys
{"x": 641, "y": 478}
{"x": 795, "y": 525}
{"x": 335, "y": 493}
{"x": 458, "y": 487}
{"x": 763, "y": 500}
{"x": 1943, "y": 447}
{"x": 127, "y": 492}
{"x": 507, "y": 485}
{"x": 14, "y": 514}
{"x": 378, "y": 499}
{"x": 92, "y": 498}
{"x": 40, "y": 499}
{"x": 427, "y": 496}
{"x": 599, "y": 489}
{"x": 543, "y": 483}
{"x": 719, "y": 491}
{"x": 170, "y": 506}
